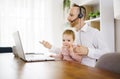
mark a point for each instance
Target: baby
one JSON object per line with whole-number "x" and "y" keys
{"x": 67, "y": 51}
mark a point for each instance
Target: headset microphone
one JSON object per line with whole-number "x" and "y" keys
{"x": 74, "y": 20}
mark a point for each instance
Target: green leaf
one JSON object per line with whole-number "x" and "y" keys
{"x": 66, "y": 4}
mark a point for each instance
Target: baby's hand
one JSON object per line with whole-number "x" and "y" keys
{"x": 46, "y": 44}
{"x": 53, "y": 56}
{"x": 57, "y": 57}
{"x": 81, "y": 50}
{"x": 71, "y": 49}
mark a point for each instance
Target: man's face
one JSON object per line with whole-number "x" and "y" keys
{"x": 73, "y": 16}
{"x": 67, "y": 40}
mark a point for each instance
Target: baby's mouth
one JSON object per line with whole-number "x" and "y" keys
{"x": 66, "y": 45}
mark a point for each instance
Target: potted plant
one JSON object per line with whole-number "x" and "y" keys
{"x": 94, "y": 14}
{"x": 97, "y": 13}
{"x": 66, "y": 4}
{"x": 91, "y": 15}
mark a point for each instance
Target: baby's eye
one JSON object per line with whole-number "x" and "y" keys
{"x": 68, "y": 40}
{"x": 63, "y": 40}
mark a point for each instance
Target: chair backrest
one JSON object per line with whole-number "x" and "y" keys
{"x": 109, "y": 61}
{"x": 5, "y": 49}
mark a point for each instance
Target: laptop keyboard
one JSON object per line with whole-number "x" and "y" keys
{"x": 38, "y": 57}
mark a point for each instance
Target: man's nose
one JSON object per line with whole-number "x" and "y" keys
{"x": 68, "y": 18}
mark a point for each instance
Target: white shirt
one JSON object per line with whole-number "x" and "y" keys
{"x": 91, "y": 38}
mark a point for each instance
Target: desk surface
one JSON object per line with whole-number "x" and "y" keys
{"x": 14, "y": 68}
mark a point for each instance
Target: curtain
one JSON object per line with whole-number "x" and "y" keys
{"x": 31, "y": 17}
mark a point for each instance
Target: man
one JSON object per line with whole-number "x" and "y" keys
{"x": 90, "y": 43}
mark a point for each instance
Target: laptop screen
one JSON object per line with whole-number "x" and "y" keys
{"x": 18, "y": 44}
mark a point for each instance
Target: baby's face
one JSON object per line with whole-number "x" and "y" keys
{"x": 67, "y": 40}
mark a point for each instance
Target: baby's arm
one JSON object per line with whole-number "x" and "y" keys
{"x": 57, "y": 56}
{"x": 74, "y": 55}
{"x": 50, "y": 47}
{"x": 46, "y": 44}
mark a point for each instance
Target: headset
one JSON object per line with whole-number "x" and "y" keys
{"x": 80, "y": 15}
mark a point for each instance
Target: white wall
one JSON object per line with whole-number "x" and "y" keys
{"x": 117, "y": 35}
{"x": 117, "y": 9}
{"x": 107, "y": 23}
{"x": 58, "y": 21}
{"x": 117, "y": 24}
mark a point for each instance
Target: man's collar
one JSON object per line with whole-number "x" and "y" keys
{"x": 84, "y": 28}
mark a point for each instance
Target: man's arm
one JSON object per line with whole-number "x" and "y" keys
{"x": 100, "y": 48}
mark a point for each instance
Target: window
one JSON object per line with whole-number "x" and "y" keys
{"x": 31, "y": 17}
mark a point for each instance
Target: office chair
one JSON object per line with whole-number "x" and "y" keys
{"x": 109, "y": 61}
{"x": 5, "y": 49}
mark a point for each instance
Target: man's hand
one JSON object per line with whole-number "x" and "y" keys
{"x": 81, "y": 50}
{"x": 46, "y": 44}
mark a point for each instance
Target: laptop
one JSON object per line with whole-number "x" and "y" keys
{"x": 18, "y": 51}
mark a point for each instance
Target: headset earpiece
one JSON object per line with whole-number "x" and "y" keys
{"x": 80, "y": 15}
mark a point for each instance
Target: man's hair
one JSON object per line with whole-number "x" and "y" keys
{"x": 69, "y": 32}
{"x": 81, "y": 8}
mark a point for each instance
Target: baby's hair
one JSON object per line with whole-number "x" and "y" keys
{"x": 69, "y": 32}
